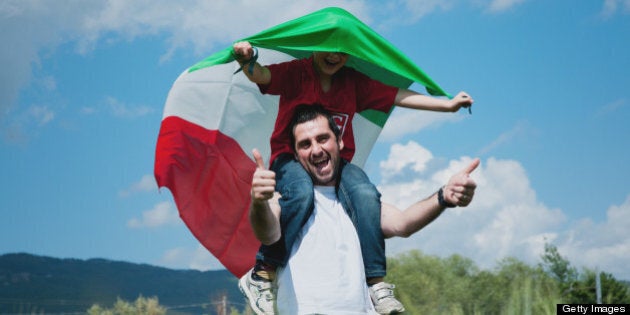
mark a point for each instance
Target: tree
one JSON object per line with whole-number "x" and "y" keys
{"x": 142, "y": 306}
{"x": 559, "y": 268}
{"x": 529, "y": 290}
{"x": 613, "y": 291}
{"x": 581, "y": 288}
{"x": 455, "y": 285}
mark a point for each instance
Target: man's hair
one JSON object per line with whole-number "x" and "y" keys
{"x": 306, "y": 112}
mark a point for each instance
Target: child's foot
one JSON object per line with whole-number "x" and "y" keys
{"x": 382, "y": 295}
{"x": 259, "y": 293}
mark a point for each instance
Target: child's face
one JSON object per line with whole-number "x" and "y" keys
{"x": 328, "y": 63}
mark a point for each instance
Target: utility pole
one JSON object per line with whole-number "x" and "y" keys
{"x": 598, "y": 287}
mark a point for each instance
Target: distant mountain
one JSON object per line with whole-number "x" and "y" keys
{"x": 32, "y": 284}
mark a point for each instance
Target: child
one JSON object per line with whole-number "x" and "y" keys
{"x": 324, "y": 79}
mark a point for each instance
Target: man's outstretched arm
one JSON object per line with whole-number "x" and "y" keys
{"x": 459, "y": 191}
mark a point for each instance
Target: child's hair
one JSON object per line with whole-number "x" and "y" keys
{"x": 308, "y": 112}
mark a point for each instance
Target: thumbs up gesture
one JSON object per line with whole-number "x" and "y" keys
{"x": 460, "y": 189}
{"x": 263, "y": 181}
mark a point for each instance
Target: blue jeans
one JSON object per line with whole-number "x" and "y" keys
{"x": 359, "y": 197}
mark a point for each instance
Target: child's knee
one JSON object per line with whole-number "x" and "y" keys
{"x": 299, "y": 189}
{"x": 366, "y": 191}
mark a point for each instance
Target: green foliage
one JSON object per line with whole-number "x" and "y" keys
{"x": 455, "y": 285}
{"x": 142, "y": 306}
{"x": 581, "y": 288}
{"x": 34, "y": 284}
{"x": 560, "y": 269}
{"x": 613, "y": 291}
{"x": 425, "y": 284}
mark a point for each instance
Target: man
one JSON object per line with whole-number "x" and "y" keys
{"x": 320, "y": 277}
{"x": 324, "y": 78}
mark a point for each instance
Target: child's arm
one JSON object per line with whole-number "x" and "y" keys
{"x": 244, "y": 53}
{"x": 414, "y": 100}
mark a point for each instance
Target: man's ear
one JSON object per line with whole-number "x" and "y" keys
{"x": 340, "y": 143}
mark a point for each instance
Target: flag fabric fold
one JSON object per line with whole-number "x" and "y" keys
{"x": 213, "y": 118}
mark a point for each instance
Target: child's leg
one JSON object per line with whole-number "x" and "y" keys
{"x": 362, "y": 201}
{"x": 296, "y": 204}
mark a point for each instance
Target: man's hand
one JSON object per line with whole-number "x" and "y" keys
{"x": 264, "y": 214}
{"x": 460, "y": 189}
{"x": 263, "y": 182}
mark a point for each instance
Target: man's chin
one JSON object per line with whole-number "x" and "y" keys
{"x": 322, "y": 180}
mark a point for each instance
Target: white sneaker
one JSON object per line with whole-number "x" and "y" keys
{"x": 259, "y": 294}
{"x": 385, "y": 303}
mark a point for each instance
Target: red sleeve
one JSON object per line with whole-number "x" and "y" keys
{"x": 284, "y": 77}
{"x": 372, "y": 94}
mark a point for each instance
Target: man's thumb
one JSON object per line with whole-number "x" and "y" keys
{"x": 472, "y": 166}
{"x": 258, "y": 159}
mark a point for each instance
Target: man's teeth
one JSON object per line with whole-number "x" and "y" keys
{"x": 320, "y": 162}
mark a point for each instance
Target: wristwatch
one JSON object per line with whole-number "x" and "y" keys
{"x": 443, "y": 202}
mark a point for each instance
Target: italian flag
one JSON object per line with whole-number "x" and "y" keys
{"x": 213, "y": 118}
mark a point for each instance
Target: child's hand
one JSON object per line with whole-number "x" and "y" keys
{"x": 462, "y": 99}
{"x": 243, "y": 51}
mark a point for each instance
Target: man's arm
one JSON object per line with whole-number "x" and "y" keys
{"x": 244, "y": 52}
{"x": 264, "y": 210}
{"x": 459, "y": 191}
{"x": 414, "y": 100}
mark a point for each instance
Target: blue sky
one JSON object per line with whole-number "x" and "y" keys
{"x": 84, "y": 83}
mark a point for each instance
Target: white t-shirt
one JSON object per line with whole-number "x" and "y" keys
{"x": 325, "y": 272}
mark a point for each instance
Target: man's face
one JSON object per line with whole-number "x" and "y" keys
{"x": 317, "y": 149}
{"x": 328, "y": 63}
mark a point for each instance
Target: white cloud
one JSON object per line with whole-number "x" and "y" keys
{"x": 604, "y": 245}
{"x": 185, "y": 258}
{"x": 145, "y": 184}
{"x": 117, "y": 108}
{"x": 405, "y": 12}
{"x": 423, "y": 8}
{"x": 120, "y": 109}
{"x": 612, "y": 107}
{"x": 506, "y": 219}
{"x": 34, "y": 29}
{"x": 405, "y": 121}
{"x": 31, "y": 28}
{"x": 401, "y": 156}
{"x": 612, "y": 7}
{"x": 497, "y": 6}
{"x": 41, "y": 114}
{"x": 520, "y": 130}
{"x": 163, "y": 213}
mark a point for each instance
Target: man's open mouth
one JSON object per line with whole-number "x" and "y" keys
{"x": 320, "y": 163}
